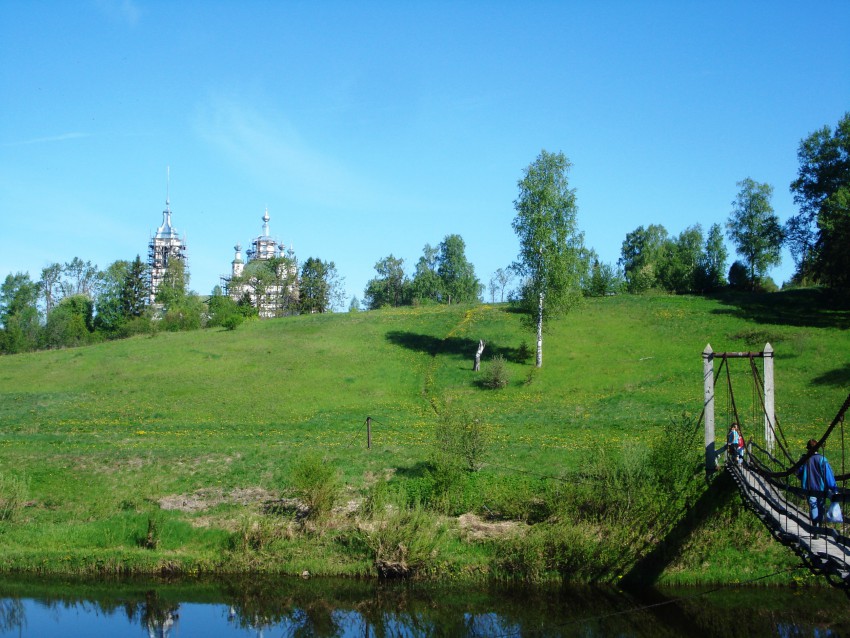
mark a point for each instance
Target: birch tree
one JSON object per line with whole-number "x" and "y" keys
{"x": 551, "y": 246}
{"x": 755, "y": 228}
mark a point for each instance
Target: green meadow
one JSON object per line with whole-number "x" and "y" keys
{"x": 209, "y": 451}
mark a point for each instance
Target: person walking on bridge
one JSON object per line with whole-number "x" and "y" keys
{"x": 733, "y": 442}
{"x": 816, "y": 478}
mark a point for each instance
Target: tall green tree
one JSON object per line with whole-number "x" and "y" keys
{"x": 182, "y": 308}
{"x": 426, "y": 284}
{"x": 602, "y": 279}
{"x": 640, "y": 255}
{"x": 174, "y": 285}
{"x": 680, "y": 260}
{"x": 457, "y": 274}
{"x": 134, "y": 291}
{"x": 818, "y": 234}
{"x": 390, "y": 287}
{"x": 320, "y": 286}
{"x": 739, "y": 276}
{"x": 711, "y": 274}
{"x": 551, "y": 246}
{"x": 80, "y": 278}
{"x": 833, "y": 249}
{"x": 754, "y": 228}
{"x": 19, "y": 316}
{"x": 500, "y": 280}
{"x": 51, "y": 277}
{"x": 110, "y": 316}
{"x": 70, "y": 323}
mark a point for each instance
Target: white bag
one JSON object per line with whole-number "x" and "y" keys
{"x": 833, "y": 514}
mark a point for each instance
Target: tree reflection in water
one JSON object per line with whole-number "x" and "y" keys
{"x": 156, "y": 616}
{"x": 322, "y": 608}
{"x": 13, "y": 617}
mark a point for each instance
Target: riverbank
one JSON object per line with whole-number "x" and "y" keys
{"x": 715, "y": 541}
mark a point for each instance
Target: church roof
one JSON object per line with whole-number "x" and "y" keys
{"x": 166, "y": 230}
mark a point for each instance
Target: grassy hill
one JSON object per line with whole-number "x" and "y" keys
{"x": 170, "y": 451}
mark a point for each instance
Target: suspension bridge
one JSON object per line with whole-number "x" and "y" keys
{"x": 767, "y": 475}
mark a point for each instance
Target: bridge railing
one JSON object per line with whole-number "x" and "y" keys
{"x": 786, "y": 481}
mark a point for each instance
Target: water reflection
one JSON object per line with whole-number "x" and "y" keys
{"x": 12, "y": 616}
{"x": 155, "y": 615}
{"x": 324, "y": 608}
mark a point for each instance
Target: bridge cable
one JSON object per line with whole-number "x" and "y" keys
{"x": 805, "y": 457}
{"x": 731, "y": 394}
{"x": 772, "y": 420}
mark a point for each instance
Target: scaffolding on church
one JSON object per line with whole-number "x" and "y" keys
{"x": 165, "y": 246}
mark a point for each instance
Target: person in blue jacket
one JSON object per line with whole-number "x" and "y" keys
{"x": 733, "y": 439}
{"x": 816, "y": 477}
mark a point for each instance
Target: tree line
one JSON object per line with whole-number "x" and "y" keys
{"x": 76, "y": 303}
{"x": 817, "y": 236}
{"x": 555, "y": 269}
{"x": 443, "y": 274}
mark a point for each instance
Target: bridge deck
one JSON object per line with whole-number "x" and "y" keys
{"x": 823, "y": 553}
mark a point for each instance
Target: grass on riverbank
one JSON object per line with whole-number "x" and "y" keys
{"x": 211, "y": 423}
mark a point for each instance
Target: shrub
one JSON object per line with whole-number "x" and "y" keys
{"x": 460, "y": 436}
{"x": 255, "y": 533}
{"x": 523, "y": 353}
{"x": 316, "y": 483}
{"x": 496, "y": 377}
{"x": 675, "y": 473}
{"x": 568, "y": 549}
{"x": 404, "y": 542}
{"x": 521, "y": 498}
{"x": 231, "y": 322}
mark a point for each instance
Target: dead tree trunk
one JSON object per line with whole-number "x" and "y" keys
{"x": 477, "y": 365}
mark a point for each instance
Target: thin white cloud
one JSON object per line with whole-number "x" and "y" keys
{"x": 125, "y": 11}
{"x": 48, "y": 140}
{"x": 273, "y": 152}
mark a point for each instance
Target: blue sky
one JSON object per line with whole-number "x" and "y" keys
{"x": 370, "y": 128}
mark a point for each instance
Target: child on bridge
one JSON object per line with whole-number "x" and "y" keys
{"x": 734, "y": 451}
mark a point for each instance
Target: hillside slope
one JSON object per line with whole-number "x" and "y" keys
{"x": 101, "y": 434}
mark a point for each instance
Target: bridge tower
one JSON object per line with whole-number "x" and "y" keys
{"x": 708, "y": 357}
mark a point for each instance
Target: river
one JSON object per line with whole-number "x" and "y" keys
{"x": 330, "y": 607}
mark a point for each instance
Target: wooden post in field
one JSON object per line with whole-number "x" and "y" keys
{"x": 708, "y": 406}
{"x": 769, "y": 399}
{"x": 368, "y": 433}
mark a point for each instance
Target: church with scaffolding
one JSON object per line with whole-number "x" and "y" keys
{"x": 267, "y": 279}
{"x": 164, "y": 248}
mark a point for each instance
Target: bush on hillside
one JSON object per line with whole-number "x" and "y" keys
{"x": 460, "y": 439}
{"x": 496, "y": 376}
{"x": 316, "y": 483}
{"x": 523, "y": 353}
{"x": 404, "y": 541}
